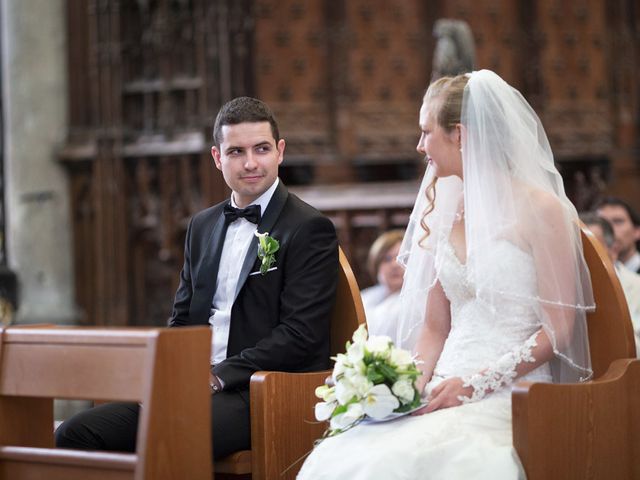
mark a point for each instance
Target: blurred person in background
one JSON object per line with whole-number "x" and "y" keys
{"x": 629, "y": 280}
{"x": 626, "y": 227}
{"x": 381, "y": 301}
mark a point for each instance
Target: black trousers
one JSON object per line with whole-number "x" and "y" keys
{"x": 114, "y": 426}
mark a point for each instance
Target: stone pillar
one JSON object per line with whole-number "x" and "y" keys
{"x": 38, "y": 224}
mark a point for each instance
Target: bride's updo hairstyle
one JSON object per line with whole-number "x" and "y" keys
{"x": 445, "y": 96}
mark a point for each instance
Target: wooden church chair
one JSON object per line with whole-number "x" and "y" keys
{"x": 166, "y": 370}
{"x": 283, "y": 426}
{"x": 589, "y": 430}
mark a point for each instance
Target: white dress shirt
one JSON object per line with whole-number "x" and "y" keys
{"x": 234, "y": 250}
{"x": 382, "y": 318}
{"x": 373, "y": 296}
{"x": 633, "y": 263}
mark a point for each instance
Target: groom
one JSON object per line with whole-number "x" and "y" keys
{"x": 271, "y": 318}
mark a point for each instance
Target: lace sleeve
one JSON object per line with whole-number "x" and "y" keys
{"x": 500, "y": 374}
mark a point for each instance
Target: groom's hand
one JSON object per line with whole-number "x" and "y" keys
{"x": 214, "y": 384}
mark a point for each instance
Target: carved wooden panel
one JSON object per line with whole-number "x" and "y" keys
{"x": 388, "y": 52}
{"x": 292, "y": 60}
{"x": 623, "y": 17}
{"x": 344, "y": 77}
{"x": 573, "y": 62}
{"x": 166, "y": 192}
{"x": 146, "y": 80}
{"x": 497, "y": 33}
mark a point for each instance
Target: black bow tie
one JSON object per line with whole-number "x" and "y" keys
{"x": 251, "y": 213}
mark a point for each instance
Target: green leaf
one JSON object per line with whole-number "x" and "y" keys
{"x": 267, "y": 247}
{"x": 415, "y": 403}
{"x": 338, "y": 410}
{"x": 374, "y": 376}
{"x": 388, "y": 372}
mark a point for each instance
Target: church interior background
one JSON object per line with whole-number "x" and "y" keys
{"x": 108, "y": 105}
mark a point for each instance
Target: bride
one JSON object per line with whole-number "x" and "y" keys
{"x": 496, "y": 290}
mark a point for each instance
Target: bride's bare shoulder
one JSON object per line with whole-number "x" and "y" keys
{"x": 537, "y": 207}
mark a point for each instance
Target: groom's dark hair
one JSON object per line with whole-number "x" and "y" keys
{"x": 241, "y": 110}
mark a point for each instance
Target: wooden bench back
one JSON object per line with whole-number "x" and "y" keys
{"x": 165, "y": 370}
{"x": 348, "y": 311}
{"x": 591, "y": 429}
{"x": 610, "y": 329}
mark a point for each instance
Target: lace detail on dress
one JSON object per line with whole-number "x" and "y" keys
{"x": 502, "y": 373}
{"x": 496, "y": 339}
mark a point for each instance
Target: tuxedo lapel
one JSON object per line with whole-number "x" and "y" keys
{"x": 266, "y": 224}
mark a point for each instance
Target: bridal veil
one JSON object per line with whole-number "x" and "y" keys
{"x": 510, "y": 186}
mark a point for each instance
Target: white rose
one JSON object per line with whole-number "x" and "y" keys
{"x": 324, "y": 410}
{"x": 353, "y": 414}
{"x": 340, "y": 366}
{"x": 355, "y": 368}
{"x": 401, "y": 358}
{"x": 380, "y": 402}
{"x": 355, "y": 353}
{"x": 403, "y": 388}
{"x": 379, "y": 345}
{"x": 345, "y": 391}
{"x": 359, "y": 382}
{"x": 326, "y": 393}
{"x": 360, "y": 335}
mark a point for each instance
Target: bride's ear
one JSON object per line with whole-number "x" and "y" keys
{"x": 459, "y": 132}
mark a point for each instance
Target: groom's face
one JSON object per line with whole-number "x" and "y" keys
{"x": 248, "y": 158}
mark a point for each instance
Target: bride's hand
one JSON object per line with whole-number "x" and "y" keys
{"x": 421, "y": 382}
{"x": 446, "y": 395}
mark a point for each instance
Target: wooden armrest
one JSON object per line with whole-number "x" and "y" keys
{"x": 238, "y": 463}
{"x": 63, "y": 456}
{"x": 587, "y": 430}
{"x": 33, "y": 325}
{"x": 283, "y": 425}
{"x": 62, "y": 464}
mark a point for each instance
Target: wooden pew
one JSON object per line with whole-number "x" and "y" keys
{"x": 283, "y": 426}
{"x": 166, "y": 370}
{"x": 589, "y": 430}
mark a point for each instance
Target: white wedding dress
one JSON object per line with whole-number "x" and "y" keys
{"x": 473, "y": 440}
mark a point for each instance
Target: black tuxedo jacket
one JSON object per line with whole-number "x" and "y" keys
{"x": 280, "y": 320}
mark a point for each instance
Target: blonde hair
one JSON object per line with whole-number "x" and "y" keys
{"x": 445, "y": 96}
{"x": 379, "y": 249}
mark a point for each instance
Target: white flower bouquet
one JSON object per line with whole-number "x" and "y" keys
{"x": 373, "y": 379}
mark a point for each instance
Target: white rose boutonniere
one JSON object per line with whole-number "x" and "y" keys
{"x": 267, "y": 248}
{"x": 373, "y": 379}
